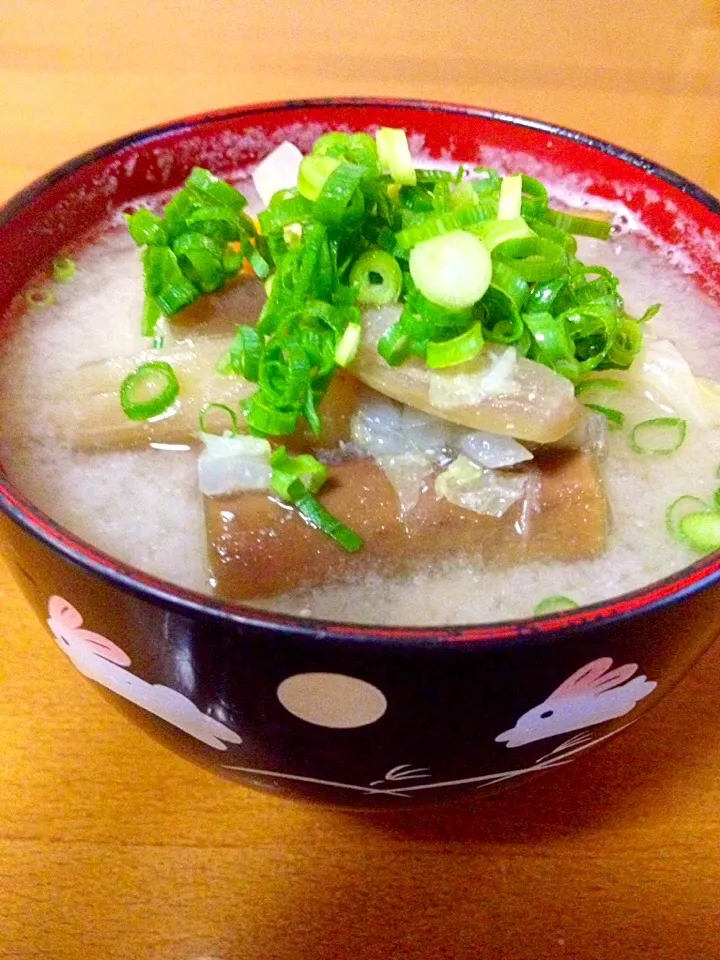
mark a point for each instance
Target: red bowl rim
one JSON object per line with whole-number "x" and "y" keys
{"x": 670, "y": 590}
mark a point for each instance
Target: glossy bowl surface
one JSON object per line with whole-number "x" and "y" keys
{"x": 336, "y": 712}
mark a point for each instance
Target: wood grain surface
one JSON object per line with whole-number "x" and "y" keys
{"x": 112, "y": 848}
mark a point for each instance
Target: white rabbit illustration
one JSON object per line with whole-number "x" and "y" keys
{"x": 102, "y": 661}
{"x": 593, "y": 694}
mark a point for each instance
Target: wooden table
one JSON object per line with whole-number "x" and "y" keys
{"x": 111, "y": 848}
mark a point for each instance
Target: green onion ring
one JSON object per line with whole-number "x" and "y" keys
{"x": 149, "y": 391}
{"x": 378, "y": 278}
{"x": 268, "y": 421}
{"x": 39, "y": 297}
{"x": 598, "y": 383}
{"x": 448, "y": 353}
{"x": 535, "y": 259}
{"x": 586, "y": 226}
{"x": 534, "y": 197}
{"x": 701, "y": 531}
{"x": 615, "y": 418}
{"x": 554, "y": 605}
{"x": 64, "y": 269}
{"x": 339, "y": 191}
{"x": 226, "y": 409}
{"x": 461, "y": 219}
{"x": 681, "y": 508}
{"x": 672, "y": 429}
{"x": 394, "y": 346}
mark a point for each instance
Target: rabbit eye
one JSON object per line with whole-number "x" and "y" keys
{"x": 546, "y": 714}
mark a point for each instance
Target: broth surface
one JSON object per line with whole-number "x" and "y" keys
{"x": 144, "y": 506}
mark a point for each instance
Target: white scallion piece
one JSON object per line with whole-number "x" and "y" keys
{"x": 231, "y": 464}
{"x": 394, "y": 155}
{"x": 408, "y": 473}
{"x": 278, "y": 171}
{"x": 488, "y": 492}
{"x": 453, "y": 270}
{"x": 493, "y": 451}
{"x": 510, "y": 200}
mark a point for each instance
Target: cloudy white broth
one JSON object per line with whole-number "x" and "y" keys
{"x": 448, "y": 521}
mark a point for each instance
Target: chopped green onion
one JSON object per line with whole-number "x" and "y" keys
{"x": 394, "y": 155}
{"x": 534, "y": 198}
{"x": 286, "y": 209}
{"x": 305, "y": 468}
{"x": 510, "y": 201}
{"x": 448, "y": 353}
{"x": 395, "y": 345}
{"x": 494, "y": 232}
{"x": 425, "y": 175}
{"x": 201, "y": 260}
{"x": 64, "y": 269}
{"x": 453, "y": 270}
{"x": 149, "y": 391}
{"x": 244, "y": 355}
{"x": 202, "y": 239}
{"x": 296, "y": 480}
{"x": 565, "y": 240}
{"x": 357, "y": 148}
{"x": 314, "y": 172}
{"x": 627, "y": 344}
{"x": 487, "y": 181}
{"x": 616, "y": 418}
{"x": 39, "y": 297}
{"x": 215, "y": 190}
{"x": 544, "y": 297}
{"x": 535, "y": 259}
{"x": 592, "y": 328}
{"x": 554, "y": 605}
{"x": 585, "y": 226}
{"x": 151, "y": 317}
{"x": 209, "y": 407}
{"x": 343, "y": 236}
{"x": 147, "y": 228}
{"x": 650, "y": 313}
{"x": 339, "y": 191}
{"x": 314, "y": 513}
{"x": 552, "y": 344}
{"x": 680, "y": 508}
{"x": 658, "y": 437}
{"x": 502, "y": 303}
{"x": 347, "y": 348}
{"x": 701, "y": 531}
{"x": 165, "y": 281}
{"x": 378, "y": 278}
{"x": 265, "y": 420}
{"x": 591, "y": 384}
{"x": 463, "y": 218}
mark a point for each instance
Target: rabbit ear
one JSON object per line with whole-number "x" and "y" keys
{"x": 614, "y": 677}
{"x": 102, "y": 647}
{"x": 583, "y": 680}
{"x": 64, "y": 612}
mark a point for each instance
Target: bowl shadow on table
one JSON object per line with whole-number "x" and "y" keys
{"x": 648, "y": 768}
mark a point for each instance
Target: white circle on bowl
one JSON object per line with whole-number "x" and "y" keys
{"x": 332, "y": 700}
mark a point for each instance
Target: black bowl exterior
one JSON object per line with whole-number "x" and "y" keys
{"x": 358, "y": 723}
